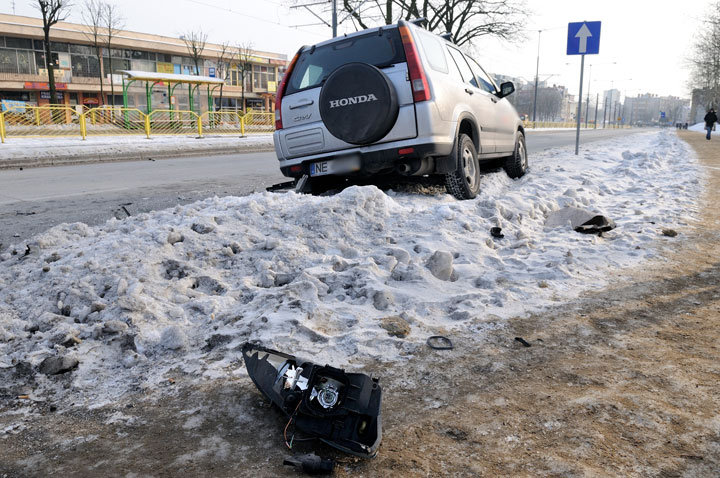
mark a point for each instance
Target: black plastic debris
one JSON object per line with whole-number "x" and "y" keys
{"x": 439, "y": 342}
{"x": 288, "y": 185}
{"x": 323, "y": 402}
{"x": 580, "y": 220}
{"x": 496, "y": 232}
{"x": 596, "y": 225}
{"x": 524, "y": 342}
{"x": 311, "y": 464}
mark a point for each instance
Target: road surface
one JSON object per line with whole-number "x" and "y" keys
{"x": 33, "y": 200}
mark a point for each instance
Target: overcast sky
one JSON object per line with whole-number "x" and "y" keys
{"x": 643, "y": 44}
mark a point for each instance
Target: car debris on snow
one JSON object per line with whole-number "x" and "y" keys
{"x": 318, "y": 398}
{"x": 311, "y": 464}
{"x": 580, "y": 220}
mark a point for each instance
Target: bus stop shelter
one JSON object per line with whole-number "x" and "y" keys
{"x": 172, "y": 81}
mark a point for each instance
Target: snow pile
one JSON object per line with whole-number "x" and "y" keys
{"x": 699, "y": 127}
{"x": 43, "y": 150}
{"x": 334, "y": 278}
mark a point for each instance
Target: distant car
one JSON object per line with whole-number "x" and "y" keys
{"x": 394, "y": 99}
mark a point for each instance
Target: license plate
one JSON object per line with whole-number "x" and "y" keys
{"x": 344, "y": 165}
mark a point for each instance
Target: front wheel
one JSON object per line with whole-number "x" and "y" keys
{"x": 464, "y": 181}
{"x": 517, "y": 165}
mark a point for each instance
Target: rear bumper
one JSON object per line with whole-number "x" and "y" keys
{"x": 377, "y": 161}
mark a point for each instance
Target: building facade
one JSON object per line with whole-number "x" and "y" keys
{"x": 79, "y": 71}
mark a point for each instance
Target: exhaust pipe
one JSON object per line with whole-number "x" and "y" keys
{"x": 403, "y": 168}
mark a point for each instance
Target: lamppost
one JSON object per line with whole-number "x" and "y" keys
{"x": 537, "y": 72}
{"x": 587, "y": 104}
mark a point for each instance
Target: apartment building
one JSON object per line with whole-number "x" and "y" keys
{"x": 23, "y": 71}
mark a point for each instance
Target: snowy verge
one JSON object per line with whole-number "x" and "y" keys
{"x": 30, "y": 152}
{"x": 341, "y": 279}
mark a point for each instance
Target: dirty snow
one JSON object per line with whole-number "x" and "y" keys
{"x": 46, "y": 149}
{"x": 315, "y": 275}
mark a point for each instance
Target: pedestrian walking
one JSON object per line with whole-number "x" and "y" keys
{"x": 710, "y": 120}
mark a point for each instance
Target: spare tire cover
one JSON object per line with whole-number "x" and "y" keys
{"x": 358, "y": 103}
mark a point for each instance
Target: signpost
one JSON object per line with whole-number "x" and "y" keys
{"x": 583, "y": 39}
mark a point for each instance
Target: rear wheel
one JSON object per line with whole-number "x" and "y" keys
{"x": 516, "y": 165}
{"x": 464, "y": 182}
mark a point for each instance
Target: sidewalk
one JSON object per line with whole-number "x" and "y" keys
{"x": 35, "y": 152}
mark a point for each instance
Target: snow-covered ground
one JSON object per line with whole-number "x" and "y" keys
{"x": 112, "y": 147}
{"x": 138, "y": 299}
{"x": 699, "y": 127}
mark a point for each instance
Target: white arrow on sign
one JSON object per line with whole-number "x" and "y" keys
{"x": 583, "y": 35}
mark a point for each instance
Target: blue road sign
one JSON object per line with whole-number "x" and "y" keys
{"x": 662, "y": 114}
{"x": 211, "y": 72}
{"x": 583, "y": 38}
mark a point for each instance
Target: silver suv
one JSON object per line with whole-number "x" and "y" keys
{"x": 394, "y": 99}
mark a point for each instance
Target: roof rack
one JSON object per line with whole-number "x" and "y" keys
{"x": 421, "y": 22}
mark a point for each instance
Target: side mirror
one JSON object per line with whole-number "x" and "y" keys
{"x": 506, "y": 89}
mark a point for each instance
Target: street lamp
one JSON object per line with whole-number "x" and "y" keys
{"x": 587, "y": 103}
{"x": 537, "y": 72}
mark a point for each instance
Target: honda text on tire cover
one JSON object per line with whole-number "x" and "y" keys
{"x": 394, "y": 100}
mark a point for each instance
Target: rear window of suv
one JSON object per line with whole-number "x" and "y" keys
{"x": 315, "y": 65}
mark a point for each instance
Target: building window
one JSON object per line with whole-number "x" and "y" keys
{"x": 261, "y": 76}
{"x": 82, "y": 50}
{"x": 59, "y": 47}
{"x": 8, "y": 61}
{"x": 22, "y": 43}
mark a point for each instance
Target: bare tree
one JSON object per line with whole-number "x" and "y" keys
{"x": 705, "y": 58}
{"x": 466, "y": 20}
{"x": 195, "y": 41}
{"x": 244, "y": 66}
{"x": 53, "y": 11}
{"x": 113, "y": 23}
{"x": 225, "y": 58}
{"x": 92, "y": 17}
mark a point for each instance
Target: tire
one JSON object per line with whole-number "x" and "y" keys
{"x": 464, "y": 182}
{"x": 517, "y": 165}
{"x": 358, "y": 104}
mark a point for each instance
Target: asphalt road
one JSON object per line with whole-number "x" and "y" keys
{"x": 33, "y": 200}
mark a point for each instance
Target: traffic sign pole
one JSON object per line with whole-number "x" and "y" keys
{"x": 579, "y": 110}
{"x": 583, "y": 39}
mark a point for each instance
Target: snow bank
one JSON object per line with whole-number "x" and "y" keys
{"x": 699, "y": 127}
{"x": 177, "y": 291}
{"x": 39, "y": 151}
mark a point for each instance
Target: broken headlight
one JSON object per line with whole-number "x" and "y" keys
{"x": 341, "y": 409}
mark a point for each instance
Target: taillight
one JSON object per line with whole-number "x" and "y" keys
{"x": 281, "y": 91}
{"x": 418, "y": 80}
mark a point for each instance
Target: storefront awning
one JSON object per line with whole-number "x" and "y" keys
{"x": 171, "y": 77}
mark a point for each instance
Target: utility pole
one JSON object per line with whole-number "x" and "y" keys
{"x": 605, "y": 107}
{"x": 587, "y": 103}
{"x": 537, "y": 73}
{"x": 615, "y": 113}
{"x": 334, "y": 18}
{"x": 597, "y": 99}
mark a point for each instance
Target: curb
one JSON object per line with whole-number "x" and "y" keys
{"x": 90, "y": 158}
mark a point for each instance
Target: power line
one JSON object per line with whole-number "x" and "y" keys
{"x": 230, "y": 10}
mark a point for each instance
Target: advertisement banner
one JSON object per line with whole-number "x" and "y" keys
{"x": 163, "y": 67}
{"x": 17, "y": 106}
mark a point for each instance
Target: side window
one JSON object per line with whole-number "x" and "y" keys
{"x": 465, "y": 71}
{"x": 485, "y": 82}
{"x": 434, "y": 52}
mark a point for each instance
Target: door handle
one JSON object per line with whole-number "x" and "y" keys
{"x": 469, "y": 91}
{"x": 300, "y": 105}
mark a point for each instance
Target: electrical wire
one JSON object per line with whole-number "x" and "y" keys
{"x": 205, "y": 4}
{"x": 289, "y": 445}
